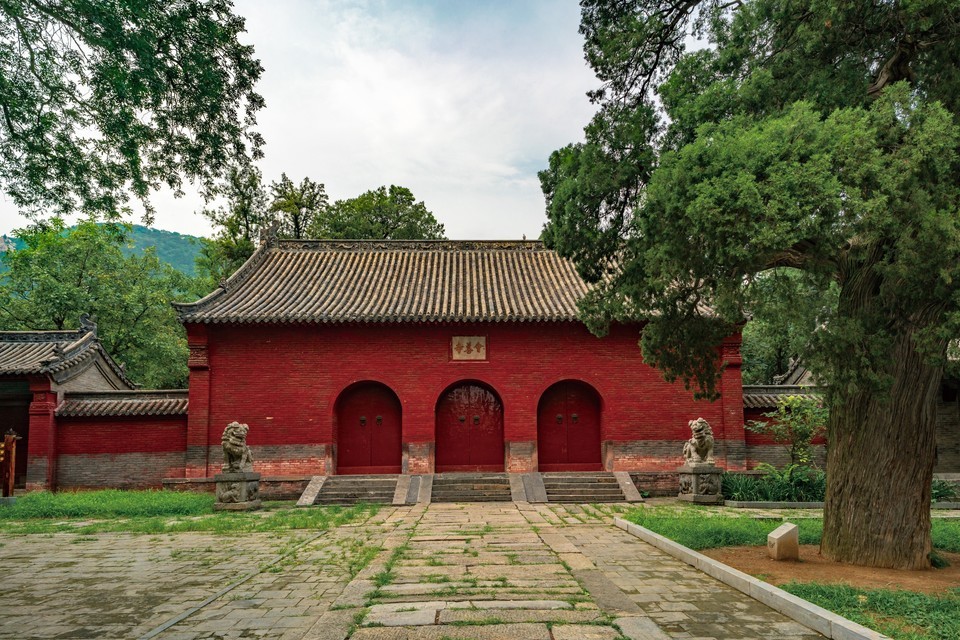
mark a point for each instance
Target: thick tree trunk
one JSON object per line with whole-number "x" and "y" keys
{"x": 880, "y": 459}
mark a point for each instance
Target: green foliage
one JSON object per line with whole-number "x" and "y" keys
{"x": 902, "y": 615}
{"x": 380, "y": 214}
{"x": 785, "y": 307}
{"x": 796, "y": 422}
{"x": 944, "y": 491}
{"x": 176, "y": 249}
{"x": 699, "y": 532}
{"x": 298, "y": 208}
{"x": 61, "y": 275}
{"x": 110, "y": 503}
{"x": 238, "y": 222}
{"x": 794, "y": 483}
{"x": 104, "y": 100}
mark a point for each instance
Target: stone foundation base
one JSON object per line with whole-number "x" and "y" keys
{"x": 700, "y": 483}
{"x": 237, "y": 491}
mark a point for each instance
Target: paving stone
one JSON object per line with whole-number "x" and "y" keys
{"x": 449, "y": 616}
{"x": 481, "y": 632}
{"x": 584, "y": 632}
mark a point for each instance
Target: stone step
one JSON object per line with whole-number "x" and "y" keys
{"x": 353, "y": 489}
{"x": 586, "y": 500}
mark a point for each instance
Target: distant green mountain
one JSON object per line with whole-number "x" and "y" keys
{"x": 176, "y": 249}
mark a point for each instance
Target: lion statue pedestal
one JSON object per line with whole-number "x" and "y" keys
{"x": 238, "y": 486}
{"x": 700, "y": 479}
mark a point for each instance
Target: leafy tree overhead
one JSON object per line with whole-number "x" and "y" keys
{"x": 785, "y": 309}
{"x": 297, "y": 208}
{"x": 811, "y": 135}
{"x": 100, "y": 100}
{"x": 239, "y": 222}
{"x": 61, "y": 274}
{"x": 380, "y": 214}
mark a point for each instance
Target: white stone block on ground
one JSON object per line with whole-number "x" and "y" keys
{"x": 783, "y": 543}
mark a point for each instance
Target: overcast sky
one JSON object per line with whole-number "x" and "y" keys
{"x": 460, "y": 101}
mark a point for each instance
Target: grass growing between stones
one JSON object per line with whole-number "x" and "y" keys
{"x": 697, "y": 532}
{"x": 156, "y": 512}
{"x": 903, "y": 615}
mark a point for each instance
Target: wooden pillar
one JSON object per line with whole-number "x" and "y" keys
{"x": 42, "y": 445}
{"x": 198, "y": 412}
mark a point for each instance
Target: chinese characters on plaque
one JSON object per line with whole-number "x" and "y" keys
{"x": 468, "y": 347}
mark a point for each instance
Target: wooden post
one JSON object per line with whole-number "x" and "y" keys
{"x": 8, "y": 456}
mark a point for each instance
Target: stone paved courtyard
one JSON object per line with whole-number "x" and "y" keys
{"x": 484, "y": 571}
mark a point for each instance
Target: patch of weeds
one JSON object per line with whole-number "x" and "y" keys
{"x": 513, "y": 558}
{"x": 433, "y": 561}
{"x": 435, "y": 578}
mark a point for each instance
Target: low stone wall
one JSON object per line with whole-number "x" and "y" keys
{"x": 271, "y": 487}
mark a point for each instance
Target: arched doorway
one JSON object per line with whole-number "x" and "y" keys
{"x": 568, "y": 428}
{"x": 469, "y": 429}
{"x": 368, "y": 430}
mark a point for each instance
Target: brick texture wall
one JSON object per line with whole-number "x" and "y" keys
{"x": 284, "y": 382}
{"x": 123, "y": 452}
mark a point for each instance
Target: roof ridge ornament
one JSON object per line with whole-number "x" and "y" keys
{"x": 88, "y": 324}
{"x": 268, "y": 234}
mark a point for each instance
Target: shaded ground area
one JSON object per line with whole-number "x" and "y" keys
{"x": 481, "y": 571}
{"x": 814, "y": 568}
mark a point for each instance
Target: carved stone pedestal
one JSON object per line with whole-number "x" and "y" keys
{"x": 700, "y": 483}
{"x": 239, "y": 491}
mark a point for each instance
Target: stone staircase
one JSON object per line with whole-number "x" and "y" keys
{"x": 593, "y": 486}
{"x": 354, "y": 489}
{"x": 471, "y": 487}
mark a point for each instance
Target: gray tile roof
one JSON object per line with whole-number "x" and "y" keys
{"x": 767, "y": 396}
{"x": 125, "y": 403}
{"x": 55, "y": 353}
{"x": 330, "y": 281}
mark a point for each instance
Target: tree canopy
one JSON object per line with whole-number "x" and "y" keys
{"x": 62, "y": 273}
{"x": 381, "y": 214}
{"x": 299, "y": 208}
{"x": 99, "y": 101}
{"x": 817, "y": 136}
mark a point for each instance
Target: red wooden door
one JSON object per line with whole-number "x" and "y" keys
{"x": 368, "y": 430}
{"x": 568, "y": 428}
{"x": 469, "y": 430}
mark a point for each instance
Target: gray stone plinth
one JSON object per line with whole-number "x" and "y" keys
{"x": 237, "y": 491}
{"x": 700, "y": 483}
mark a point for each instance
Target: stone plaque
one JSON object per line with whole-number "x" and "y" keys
{"x": 468, "y": 347}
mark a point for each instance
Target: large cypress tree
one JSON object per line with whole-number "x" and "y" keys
{"x": 815, "y": 135}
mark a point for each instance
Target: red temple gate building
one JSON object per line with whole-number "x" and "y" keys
{"x": 379, "y": 357}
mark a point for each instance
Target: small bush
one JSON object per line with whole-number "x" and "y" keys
{"x": 794, "y": 483}
{"x": 943, "y": 491}
{"x": 109, "y": 503}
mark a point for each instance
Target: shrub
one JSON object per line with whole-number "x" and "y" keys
{"x": 796, "y": 423}
{"x": 106, "y": 504}
{"x": 943, "y": 491}
{"x": 794, "y": 483}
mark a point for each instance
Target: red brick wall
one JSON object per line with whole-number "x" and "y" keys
{"x": 284, "y": 382}
{"x": 129, "y": 451}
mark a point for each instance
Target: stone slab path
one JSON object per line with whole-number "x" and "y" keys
{"x": 458, "y": 571}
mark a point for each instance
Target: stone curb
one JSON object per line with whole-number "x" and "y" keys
{"x": 810, "y": 615}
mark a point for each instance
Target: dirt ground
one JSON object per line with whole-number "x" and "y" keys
{"x": 813, "y": 568}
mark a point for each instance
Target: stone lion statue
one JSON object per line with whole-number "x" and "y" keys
{"x": 236, "y": 453}
{"x": 699, "y": 448}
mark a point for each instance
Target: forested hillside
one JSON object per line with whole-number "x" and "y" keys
{"x": 176, "y": 249}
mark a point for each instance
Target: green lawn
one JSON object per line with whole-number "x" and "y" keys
{"x": 903, "y": 615}
{"x": 703, "y": 530}
{"x": 161, "y": 512}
